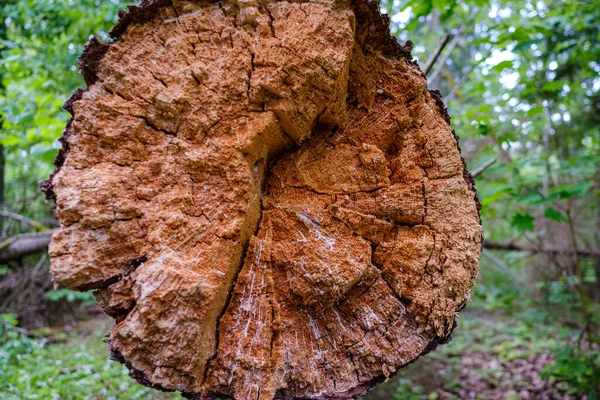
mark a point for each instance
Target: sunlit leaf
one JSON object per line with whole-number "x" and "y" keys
{"x": 552, "y": 86}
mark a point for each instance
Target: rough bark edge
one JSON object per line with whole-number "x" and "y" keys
{"x": 61, "y": 156}
{"x": 368, "y": 14}
{"x": 469, "y": 179}
{"x": 46, "y": 185}
{"x": 136, "y": 374}
{"x": 91, "y": 56}
{"x": 128, "y": 268}
{"x": 93, "y": 52}
{"x": 357, "y": 391}
{"x": 136, "y": 14}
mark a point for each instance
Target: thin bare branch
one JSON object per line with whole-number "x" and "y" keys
{"x": 547, "y": 250}
{"x": 503, "y": 267}
{"x": 17, "y": 217}
{"x": 437, "y": 53}
{"x": 453, "y": 43}
{"x": 482, "y": 168}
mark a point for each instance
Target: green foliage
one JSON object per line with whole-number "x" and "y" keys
{"x": 407, "y": 390}
{"x": 85, "y": 298}
{"x": 504, "y": 338}
{"x": 579, "y": 368}
{"x": 554, "y": 215}
{"x": 78, "y": 369}
{"x": 497, "y": 297}
{"x": 523, "y": 222}
{"x": 39, "y": 44}
{"x": 496, "y": 355}
{"x": 522, "y": 85}
{"x": 13, "y": 343}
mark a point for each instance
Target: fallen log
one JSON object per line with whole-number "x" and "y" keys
{"x": 266, "y": 198}
{"x": 25, "y": 244}
{"x": 546, "y": 250}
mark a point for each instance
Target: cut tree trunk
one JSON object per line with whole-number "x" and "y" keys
{"x": 266, "y": 197}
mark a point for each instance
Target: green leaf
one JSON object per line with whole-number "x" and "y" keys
{"x": 553, "y": 86}
{"x": 501, "y": 66}
{"x": 526, "y": 45}
{"x": 577, "y": 367}
{"x": 483, "y": 129}
{"x": 530, "y": 198}
{"x": 568, "y": 191}
{"x": 523, "y": 222}
{"x": 554, "y": 215}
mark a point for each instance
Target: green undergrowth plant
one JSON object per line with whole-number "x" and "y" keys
{"x": 78, "y": 368}
{"x": 579, "y": 367}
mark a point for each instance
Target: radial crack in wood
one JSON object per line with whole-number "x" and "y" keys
{"x": 267, "y": 198}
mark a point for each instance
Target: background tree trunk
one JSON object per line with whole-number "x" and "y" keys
{"x": 3, "y": 36}
{"x": 266, "y": 197}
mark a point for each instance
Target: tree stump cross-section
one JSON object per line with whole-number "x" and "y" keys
{"x": 265, "y": 196}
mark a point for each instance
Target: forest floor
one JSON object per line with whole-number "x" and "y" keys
{"x": 492, "y": 356}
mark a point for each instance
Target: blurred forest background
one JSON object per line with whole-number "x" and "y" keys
{"x": 522, "y": 82}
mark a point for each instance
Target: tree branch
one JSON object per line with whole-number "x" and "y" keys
{"x": 550, "y": 250}
{"x": 23, "y": 245}
{"x": 453, "y": 44}
{"x": 483, "y": 167}
{"x": 503, "y": 267}
{"x": 34, "y": 224}
{"x": 437, "y": 53}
